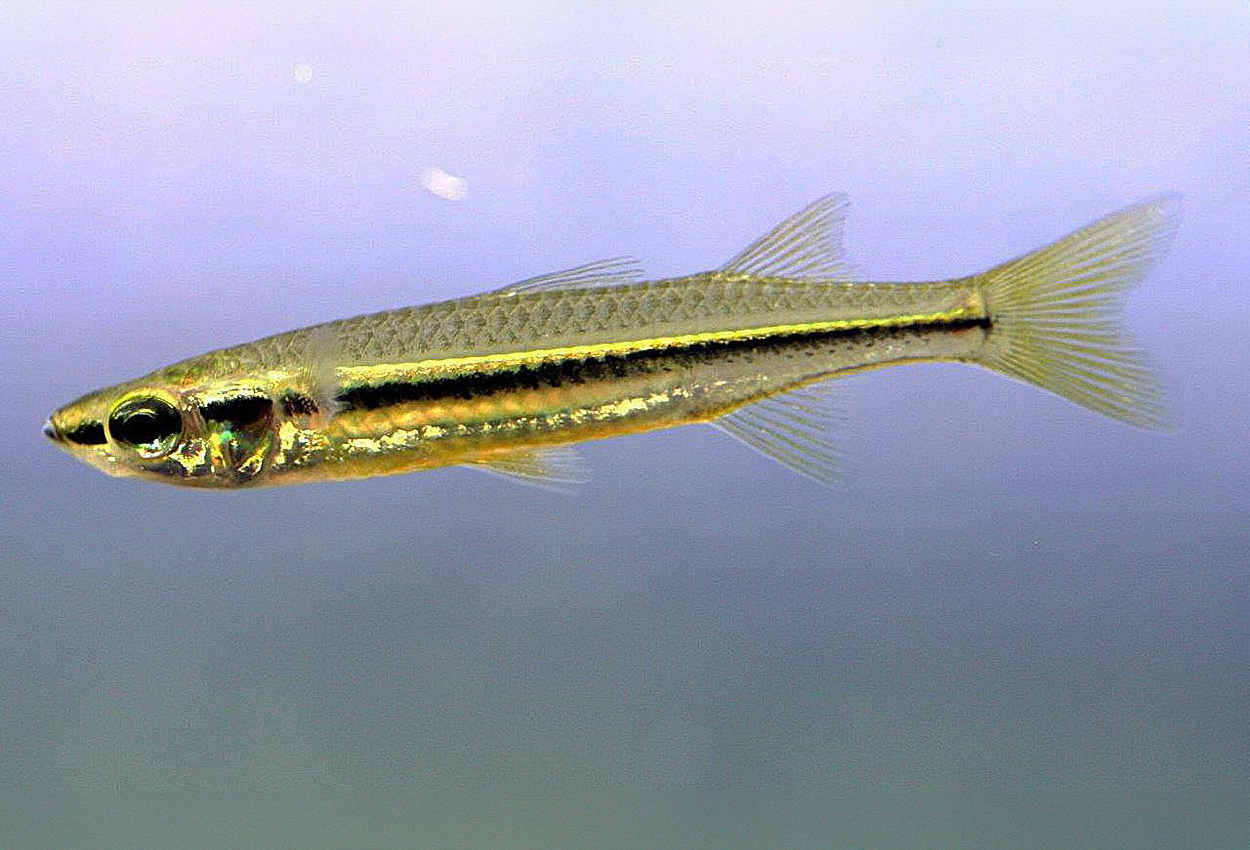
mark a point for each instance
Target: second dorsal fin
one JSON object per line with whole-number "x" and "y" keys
{"x": 806, "y": 245}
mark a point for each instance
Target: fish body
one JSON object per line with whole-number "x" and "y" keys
{"x": 508, "y": 380}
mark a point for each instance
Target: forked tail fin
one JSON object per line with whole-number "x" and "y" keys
{"x": 1054, "y": 313}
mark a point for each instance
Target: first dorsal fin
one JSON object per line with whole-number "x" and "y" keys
{"x": 806, "y": 245}
{"x": 611, "y": 272}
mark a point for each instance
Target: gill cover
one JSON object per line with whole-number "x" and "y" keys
{"x": 239, "y": 432}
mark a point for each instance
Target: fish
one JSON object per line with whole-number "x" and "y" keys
{"x": 509, "y": 380}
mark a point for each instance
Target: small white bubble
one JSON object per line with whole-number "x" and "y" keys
{"x": 436, "y": 181}
{"x": 302, "y": 72}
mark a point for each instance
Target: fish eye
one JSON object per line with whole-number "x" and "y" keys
{"x": 148, "y": 424}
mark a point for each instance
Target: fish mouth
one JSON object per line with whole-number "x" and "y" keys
{"x": 49, "y": 430}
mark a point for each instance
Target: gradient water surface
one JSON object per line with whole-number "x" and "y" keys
{"x": 1018, "y": 626}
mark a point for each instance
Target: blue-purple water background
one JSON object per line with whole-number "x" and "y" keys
{"x": 1019, "y": 625}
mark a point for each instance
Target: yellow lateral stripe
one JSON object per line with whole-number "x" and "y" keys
{"x": 445, "y": 366}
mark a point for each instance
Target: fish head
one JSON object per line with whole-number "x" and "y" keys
{"x": 210, "y": 434}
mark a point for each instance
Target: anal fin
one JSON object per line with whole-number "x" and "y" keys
{"x": 793, "y": 429}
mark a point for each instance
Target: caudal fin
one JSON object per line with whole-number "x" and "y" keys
{"x": 1054, "y": 313}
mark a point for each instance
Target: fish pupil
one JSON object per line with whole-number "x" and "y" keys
{"x": 142, "y": 427}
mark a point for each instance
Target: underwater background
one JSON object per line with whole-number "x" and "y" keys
{"x": 1017, "y": 625}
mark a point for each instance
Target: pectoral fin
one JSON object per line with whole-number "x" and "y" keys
{"x": 554, "y": 468}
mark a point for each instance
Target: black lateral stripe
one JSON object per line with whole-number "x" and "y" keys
{"x": 239, "y": 410}
{"x": 89, "y": 433}
{"x": 582, "y": 369}
{"x": 554, "y": 374}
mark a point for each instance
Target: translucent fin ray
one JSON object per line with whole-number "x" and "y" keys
{"x": 615, "y": 271}
{"x": 556, "y": 468}
{"x": 321, "y": 356}
{"x": 1054, "y": 313}
{"x": 793, "y": 429}
{"x": 806, "y": 245}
